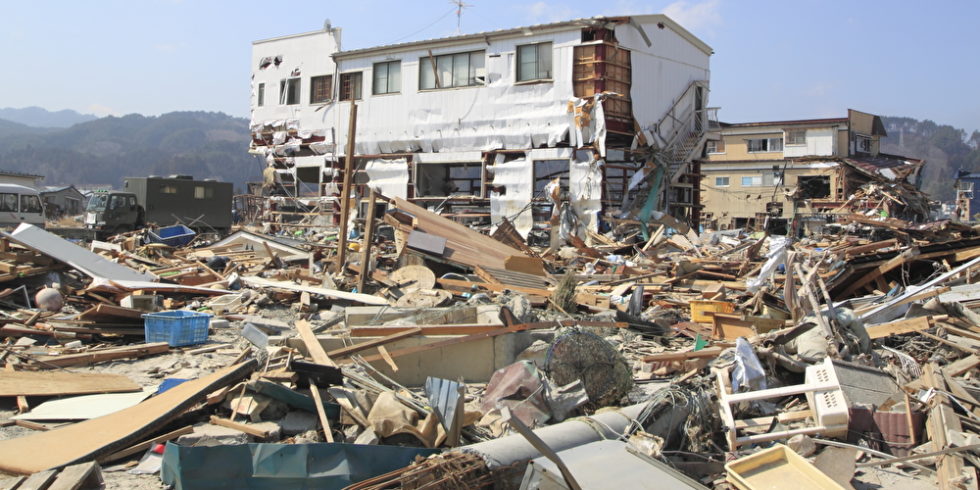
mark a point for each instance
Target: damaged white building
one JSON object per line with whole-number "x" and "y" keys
{"x": 586, "y": 116}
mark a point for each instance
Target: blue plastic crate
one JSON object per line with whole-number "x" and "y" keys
{"x": 177, "y": 328}
{"x": 175, "y": 236}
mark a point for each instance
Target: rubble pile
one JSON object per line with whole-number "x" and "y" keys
{"x": 412, "y": 351}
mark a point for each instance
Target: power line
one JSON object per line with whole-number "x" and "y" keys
{"x": 443, "y": 16}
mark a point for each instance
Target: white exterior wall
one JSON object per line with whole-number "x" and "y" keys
{"x": 310, "y": 54}
{"x": 819, "y": 142}
{"x": 662, "y": 71}
{"x": 500, "y": 115}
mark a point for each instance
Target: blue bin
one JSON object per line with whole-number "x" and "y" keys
{"x": 175, "y": 236}
{"x": 177, "y": 328}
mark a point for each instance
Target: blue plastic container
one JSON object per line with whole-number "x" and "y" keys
{"x": 175, "y": 236}
{"x": 177, "y": 328}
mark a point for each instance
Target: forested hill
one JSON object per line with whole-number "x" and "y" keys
{"x": 103, "y": 151}
{"x": 945, "y": 148}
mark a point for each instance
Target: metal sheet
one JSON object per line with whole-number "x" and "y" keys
{"x": 87, "y": 262}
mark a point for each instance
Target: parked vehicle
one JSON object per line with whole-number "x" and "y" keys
{"x": 204, "y": 205}
{"x": 20, "y": 204}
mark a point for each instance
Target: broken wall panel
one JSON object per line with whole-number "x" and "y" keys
{"x": 514, "y": 181}
{"x": 388, "y": 176}
{"x": 585, "y": 189}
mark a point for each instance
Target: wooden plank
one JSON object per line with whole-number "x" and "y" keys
{"x": 94, "y": 357}
{"x": 321, "y": 413}
{"x": 683, "y": 356}
{"x": 55, "y": 383}
{"x": 387, "y": 339}
{"x": 143, "y": 446}
{"x": 466, "y": 329}
{"x": 387, "y": 358}
{"x": 467, "y": 285}
{"x": 862, "y": 249}
{"x": 245, "y": 428}
{"x": 39, "y": 481}
{"x": 97, "y": 437}
{"x": 87, "y": 475}
{"x": 899, "y": 327}
{"x": 941, "y": 419}
{"x": 313, "y": 346}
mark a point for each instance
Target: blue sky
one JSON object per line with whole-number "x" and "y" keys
{"x": 773, "y": 59}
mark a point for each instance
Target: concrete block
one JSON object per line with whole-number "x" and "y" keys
{"x": 297, "y": 422}
{"x": 213, "y": 435}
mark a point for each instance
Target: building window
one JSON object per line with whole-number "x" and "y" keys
{"x": 796, "y": 137}
{"x": 764, "y": 145}
{"x": 387, "y": 78}
{"x": 752, "y": 181}
{"x": 350, "y": 86}
{"x": 715, "y": 146}
{"x": 534, "y": 62}
{"x": 261, "y": 101}
{"x": 862, "y": 143}
{"x": 721, "y": 181}
{"x": 289, "y": 91}
{"x": 452, "y": 70}
{"x": 447, "y": 179}
{"x": 765, "y": 179}
{"x": 321, "y": 89}
{"x": 168, "y": 189}
{"x": 199, "y": 192}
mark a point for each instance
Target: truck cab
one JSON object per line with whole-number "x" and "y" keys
{"x": 113, "y": 212}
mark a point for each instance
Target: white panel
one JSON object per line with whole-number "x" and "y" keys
{"x": 389, "y": 176}
{"x": 517, "y": 178}
{"x": 585, "y": 190}
{"x": 820, "y": 142}
{"x": 451, "y": 157}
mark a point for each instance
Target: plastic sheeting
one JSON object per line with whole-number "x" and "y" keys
{"x": 517, "y": 179}
{"x": 274, "y": 466}
{"x": 775, "y": 258}
{"x": 390, "y": 176}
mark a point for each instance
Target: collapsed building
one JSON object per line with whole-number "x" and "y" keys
{"x": 784, "y": 175}
{"x": 604, "y": 113}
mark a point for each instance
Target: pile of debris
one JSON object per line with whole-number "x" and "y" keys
{"x": 412, "y": 351}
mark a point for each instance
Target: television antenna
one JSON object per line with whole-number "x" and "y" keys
{"x": 460, "y": 5}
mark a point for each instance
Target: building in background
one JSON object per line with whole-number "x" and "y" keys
{"x": 768, "y": 174}
{"x": 584, "y": 115}
{"x": 62, "y": 201}
{"x": 20, "y": 178}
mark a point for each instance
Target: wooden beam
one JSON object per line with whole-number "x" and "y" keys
{"x": 348, "y": 351}
{"x": 368, "y": 239}
{"x": 321, "y": 412}
{"x": 247, "y": 429}
{"x": 143, "y": 446}
{"x": 313, "y": 346}
{"x": 345, "y": 191}
{"x": 87, "y": 358}
{"x": 877, "y": 272}
{"x": 899, "y": 327}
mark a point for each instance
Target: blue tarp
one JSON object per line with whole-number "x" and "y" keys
{"x": 276, "y": 466}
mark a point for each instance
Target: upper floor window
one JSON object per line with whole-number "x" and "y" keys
{"x": 762, "y": 145}
{"x": 534, "y": 62}
{"x": 862, "y": 143}
{"x": 715, "y": 146}
{"x": 387, "y": 78}
{"x": 261, "y": 95}
{"x": 452, "y": 70}
{"x": 796, "y": 137}
{"x": 289, "y": 91}
{"x": 722, "y": 181}
{"x": 350, "y": 86}
{"x": 321, "y": 89}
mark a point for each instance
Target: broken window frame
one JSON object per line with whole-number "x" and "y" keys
{"x": 351, "y": 85}
{"x": 860, "y": 141}
{"x": 764, "y": 145}
{"x": 714, "y": 147}
{"x": 289, "y": 90}
{"x": 723, "y": 181}
{"x": 542, "y": 63}
{"x": 476, "y": 74}
{"x": 261, "y": 95}
{"x": 389, "y": 87}
{"x": 475, "y": 183}
{"x": 540, "y": 181}
{"x": 796, "y": 137}
{"x": 321, "y": 89}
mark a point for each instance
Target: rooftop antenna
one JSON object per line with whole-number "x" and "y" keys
{"x": 459, "y": 13}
